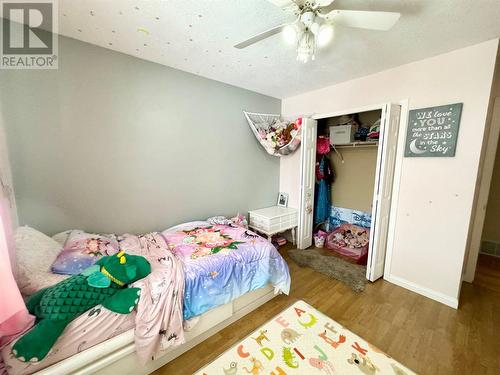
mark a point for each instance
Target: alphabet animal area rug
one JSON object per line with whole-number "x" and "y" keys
{"x": 301, "y": 340}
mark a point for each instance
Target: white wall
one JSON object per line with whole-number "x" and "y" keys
{"x": 436, "y": 194}
{"x": 112, "y": 143}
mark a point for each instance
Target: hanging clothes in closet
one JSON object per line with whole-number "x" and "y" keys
{"x": 324, "y": 180}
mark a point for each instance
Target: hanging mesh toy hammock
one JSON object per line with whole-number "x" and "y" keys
{"x": 278, "y": 137}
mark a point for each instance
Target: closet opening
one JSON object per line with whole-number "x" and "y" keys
{"x": 346, "y": 161}
{"x": 347, "y": 170}
{"x": 482, "y": 265}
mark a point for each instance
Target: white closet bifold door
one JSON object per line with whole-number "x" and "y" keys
{"x": 389, "y": 127}
{"x": 307, "y": 182}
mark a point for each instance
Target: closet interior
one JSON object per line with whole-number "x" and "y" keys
{"x": 346, "y": 168}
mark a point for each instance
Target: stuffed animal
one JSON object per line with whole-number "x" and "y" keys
{"x": 55, "y": 307}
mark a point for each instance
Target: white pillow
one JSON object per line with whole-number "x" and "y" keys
{"x": 61, "y": 237}
{"x": 35, "y": 253}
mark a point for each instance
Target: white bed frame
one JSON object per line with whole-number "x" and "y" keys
{"x": 117, "y": 355}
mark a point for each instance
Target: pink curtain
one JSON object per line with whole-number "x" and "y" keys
{"x": 14, "y": 317}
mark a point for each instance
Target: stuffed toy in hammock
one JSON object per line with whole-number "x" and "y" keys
{"x": 104, "y": 284}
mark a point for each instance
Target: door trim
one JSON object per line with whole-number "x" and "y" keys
{"x": 479, "y": 214}
{"x": 350, "y": 111}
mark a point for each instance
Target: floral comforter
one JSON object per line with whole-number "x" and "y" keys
{"x": 223, "y": 262}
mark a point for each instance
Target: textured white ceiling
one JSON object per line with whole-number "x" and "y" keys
{"x": 197, "y": 36}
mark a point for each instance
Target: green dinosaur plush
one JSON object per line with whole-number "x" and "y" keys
{"x": 55, "y": 307}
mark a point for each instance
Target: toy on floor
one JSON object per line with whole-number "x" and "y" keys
{"x": 350, "y": 240}
{"x": 55, "y": 307}
{"x": 319, "y": 239}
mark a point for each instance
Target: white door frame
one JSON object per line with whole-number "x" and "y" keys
{"x": 397, "y": 168}
{"x": 486, "y": 174}
{"x": 349, "y": 111}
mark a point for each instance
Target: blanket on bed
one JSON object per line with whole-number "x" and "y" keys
{"x": 223, "y": 262}
{"x": 158, "y": 320}
{"x": 159, "y": 312}
{"x": 194, "y": 264}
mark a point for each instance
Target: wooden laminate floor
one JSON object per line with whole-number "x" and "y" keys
{"x": 424, "y": 335}
{"x": 488, "y": 272}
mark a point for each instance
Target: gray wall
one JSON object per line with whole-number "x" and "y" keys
{"x": 112, "y": 143}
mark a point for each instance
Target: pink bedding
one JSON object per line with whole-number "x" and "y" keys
{"x": 159, "y": 316}
{"x": 223, "y": 262}
{"x": 89, "y": 329}
{"x": 158, "y": 320}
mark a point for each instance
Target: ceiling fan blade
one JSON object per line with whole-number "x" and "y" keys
{"x": 363, "y": 19}
{"x": 281, "y": 3}
{"x": 261, "y": 36}
{"x": 324, "y": 3}
{"x": 315, "y": 3}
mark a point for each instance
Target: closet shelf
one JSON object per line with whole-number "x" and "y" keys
{"x": 358, "y": 144}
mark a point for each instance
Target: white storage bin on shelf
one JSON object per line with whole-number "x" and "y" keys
{"x": 272, "y": 220}
{"x": 342, "y": 134}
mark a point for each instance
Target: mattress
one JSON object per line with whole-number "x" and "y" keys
{"x": 223, "y": 262}
{"x": 93, "y": 327}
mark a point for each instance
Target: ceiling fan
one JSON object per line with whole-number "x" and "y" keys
{"x": 314, "y": 23}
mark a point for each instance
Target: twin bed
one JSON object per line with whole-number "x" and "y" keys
{"x": 228, "y": 271}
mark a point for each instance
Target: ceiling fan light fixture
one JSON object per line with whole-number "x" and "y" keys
{"x": 308, "y": 18}
{"x": 315, "y": 27}
{"x": 324, "y": 35}
{"x": 290, "y": 34}
{"x": 306, "y": 47}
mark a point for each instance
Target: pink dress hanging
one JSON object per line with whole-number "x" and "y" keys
{"x": 14, "y": 317}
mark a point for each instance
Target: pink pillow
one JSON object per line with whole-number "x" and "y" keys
{"x": 81, "y": 250}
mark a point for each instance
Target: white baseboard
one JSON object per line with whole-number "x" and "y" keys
{"x": 426, "y": 292}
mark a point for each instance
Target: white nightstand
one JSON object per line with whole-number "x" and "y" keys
{"x": 273, "y": 220}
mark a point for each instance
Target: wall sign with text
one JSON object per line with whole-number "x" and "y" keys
{"x": 433, "y": 131}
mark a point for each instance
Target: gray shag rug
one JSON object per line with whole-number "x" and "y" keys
{"x": 350, "y": 274}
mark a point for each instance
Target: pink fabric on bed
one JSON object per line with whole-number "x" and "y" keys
{"x": 93, "y": 327}
{"x": 14, "y": 317}
{"x": 158, "y": 320}
{"x": 159, "y": 317}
